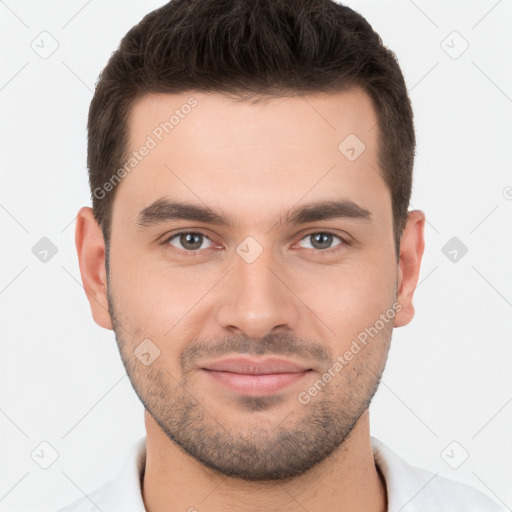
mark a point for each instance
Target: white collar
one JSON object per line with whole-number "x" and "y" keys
{"x": 409, "y": 489}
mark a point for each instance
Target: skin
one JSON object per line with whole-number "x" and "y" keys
{"x": 253, "y": 163}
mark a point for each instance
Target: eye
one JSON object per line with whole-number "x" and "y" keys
{"x": 190, "y": 241}
{"x": 322, "y": 241}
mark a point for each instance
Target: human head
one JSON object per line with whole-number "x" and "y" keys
{"x": 262, "y": 136}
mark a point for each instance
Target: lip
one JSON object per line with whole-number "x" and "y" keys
{"x": 255, "y": 376}
{"x": 255, "y": 366}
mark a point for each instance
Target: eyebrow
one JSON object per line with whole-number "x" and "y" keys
{"x": 165, "y": 209}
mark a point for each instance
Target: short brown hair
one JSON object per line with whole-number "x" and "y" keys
{"x": 250, "y": 48}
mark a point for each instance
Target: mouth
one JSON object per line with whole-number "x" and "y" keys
{"x": 255, "y": 376}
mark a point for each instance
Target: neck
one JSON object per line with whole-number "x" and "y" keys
{"x": 346, "y": 480}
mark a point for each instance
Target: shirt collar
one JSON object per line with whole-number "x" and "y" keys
{"x": 409, "y": 489}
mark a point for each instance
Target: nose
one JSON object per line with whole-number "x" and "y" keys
{"x": 256, "y": 298}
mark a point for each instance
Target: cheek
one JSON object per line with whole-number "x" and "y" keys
{"x": 158, "y": 302}
{"x": 141, "y": 287}
{"x": 350, "y": 297}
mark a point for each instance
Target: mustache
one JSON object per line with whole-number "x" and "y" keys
{"x": 277, "y": 344}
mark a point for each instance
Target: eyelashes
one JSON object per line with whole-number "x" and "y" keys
{"x": 193, "y": 236}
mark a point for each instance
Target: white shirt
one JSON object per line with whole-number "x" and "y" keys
{"x": 409, "y": 489}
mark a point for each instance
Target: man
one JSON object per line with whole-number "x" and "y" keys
{"x": 250, "y": 245}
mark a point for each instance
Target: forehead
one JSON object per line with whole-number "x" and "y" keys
{"x": 236, "y": 154}
{"x": 218, "y": 120}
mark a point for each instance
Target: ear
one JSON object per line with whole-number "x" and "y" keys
{"x": 90, "y": 247}
{"x": 412, "y": 245}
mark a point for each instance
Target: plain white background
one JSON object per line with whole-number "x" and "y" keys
{"x": 447, "y": 389}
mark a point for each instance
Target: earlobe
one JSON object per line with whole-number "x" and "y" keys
{"x": 412, "y": 246}
{"x": 90, "y": 246}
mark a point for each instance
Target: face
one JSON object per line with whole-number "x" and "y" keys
{"x": 253, "y": 321}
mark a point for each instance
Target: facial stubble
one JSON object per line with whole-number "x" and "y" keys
{"x": 299, "y": 440}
